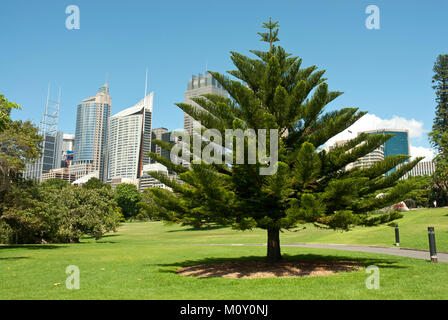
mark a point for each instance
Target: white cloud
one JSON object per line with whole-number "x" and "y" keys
{"x": 428, "y": 153}
{"x": 372, "y": 122}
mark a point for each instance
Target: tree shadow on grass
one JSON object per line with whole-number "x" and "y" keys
{"x": 199, "y": 229}
{"x": 32, "y": 246}
{"x": 291, "y": 265}
{"x": 100, "y": 241}
{"x": 105, "y": 236}
{"x": 13, "y": 258}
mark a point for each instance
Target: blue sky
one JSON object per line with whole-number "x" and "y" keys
{"x": 386, "y": 72}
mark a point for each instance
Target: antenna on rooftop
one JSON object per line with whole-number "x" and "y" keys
{"x": 146, "y": 82}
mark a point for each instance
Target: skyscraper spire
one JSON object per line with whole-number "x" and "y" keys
{"x": 146, "y": 82}
{"x": 107, "y": 81}
{"x": 105, "y": 87}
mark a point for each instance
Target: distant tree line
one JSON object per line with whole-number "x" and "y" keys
{"x": 53, "y": 211}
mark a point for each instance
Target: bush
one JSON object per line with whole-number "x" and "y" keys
{"x": 58, "y": 213}
{"x": 127, "y": 197}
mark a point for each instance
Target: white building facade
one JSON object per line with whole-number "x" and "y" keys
{"x": 130, "y": 140}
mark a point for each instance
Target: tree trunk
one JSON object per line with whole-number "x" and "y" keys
{"x": 274, "y": 254}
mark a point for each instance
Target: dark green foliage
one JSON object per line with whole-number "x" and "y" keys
{"x": 439, "y": 133}
{"x": 147, "y": 207}
{"x": 95, "y": 183}
{"x": 58, "y": 213}
{"x": 381, "y": 218}
{"x": 5, "y": 111}
{"x": 310, "y": 184}
{"x": 55, "y": 184}
{"x": 53, "y": 211}
{"x": 422, "y": 196}
{"x": 440, "y": 81}
{"x": 19, "y": 145}
{"x": 127, "y": 197}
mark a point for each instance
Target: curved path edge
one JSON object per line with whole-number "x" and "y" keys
{"x": 409, "y": 253}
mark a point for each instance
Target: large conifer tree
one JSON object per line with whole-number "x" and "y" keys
{"x": 439, "y": 133}
{"x": 311, "y": 185}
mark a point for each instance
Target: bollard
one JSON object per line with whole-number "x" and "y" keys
{"x": 397, "y": 236}
{"x": 432, "y": 244}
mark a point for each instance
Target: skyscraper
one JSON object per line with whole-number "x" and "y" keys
{"x": 398, "y": 144}
{"x": 68, "y": 142}
{"x": 130, "y": 140}
{"x": 92, "y": 121}
{"x": 197, "y": 86}
{"x": 423, "y": 168}
{"x": 163, "y": 135}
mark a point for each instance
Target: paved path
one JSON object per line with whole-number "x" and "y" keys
{"x": 418, "y": 254}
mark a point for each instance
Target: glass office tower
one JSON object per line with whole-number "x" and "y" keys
{"x": 398, "y": 144}
{"x": 92, "y": 122}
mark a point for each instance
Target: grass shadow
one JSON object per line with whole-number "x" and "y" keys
{"x": 200, "y": 229}
{"x": 32, "y": 246}
{"x": 13, "y": 258}
{"x": 105, "y": 236}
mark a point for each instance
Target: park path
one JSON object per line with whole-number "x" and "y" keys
{"x": 417, "y": 254}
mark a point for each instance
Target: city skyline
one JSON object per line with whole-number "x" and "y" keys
{"x": 368, "y": 65}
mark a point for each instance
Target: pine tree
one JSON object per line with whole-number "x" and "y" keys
{"x": 310, "y": 185}
{"x": 439, "y": 133}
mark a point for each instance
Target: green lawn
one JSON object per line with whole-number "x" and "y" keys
{"x": 139, "y": 262}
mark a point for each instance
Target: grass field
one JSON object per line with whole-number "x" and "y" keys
{"x": 139, "y": 261}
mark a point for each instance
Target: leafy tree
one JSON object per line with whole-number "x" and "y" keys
{"x": 19, "y": 145}
{"x": 310, "y": 185}
{"x": 5, "y": 111}
{"x": 55, "y": 183}
{"x": 147, "y": 207}
{"x": 127, "y": 197}
{"x": 95, "y": 183}
{"x": 55, "y": 213}
{"x": 439, "y": 133}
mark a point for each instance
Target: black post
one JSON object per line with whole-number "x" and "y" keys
{"x": 432, "y": 244}
{"x": 397, "y": 236}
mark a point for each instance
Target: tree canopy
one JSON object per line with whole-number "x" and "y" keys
{"x": 19, "y": 145}
{"x": 127, "y": 197}
{"x": 439, "y": 133}
{"x": 310, "y": 185}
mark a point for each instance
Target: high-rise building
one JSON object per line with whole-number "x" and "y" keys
{"x": 197, "y": 86}
{"x": 364, "y": 162}
{"x": 147, "y": 181}
{"x": 371, "y": 158}
{"x": 163, "y": 135}
{"x": 92, "y": 121}
{"x": 398, "y": 144}
{"x": 60, "y": 173}
{"x": 130, "y": 140}
{"x": 68, "y": 143}
{"x": 423, "y": 168}
{"x": 51, "y": 146}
